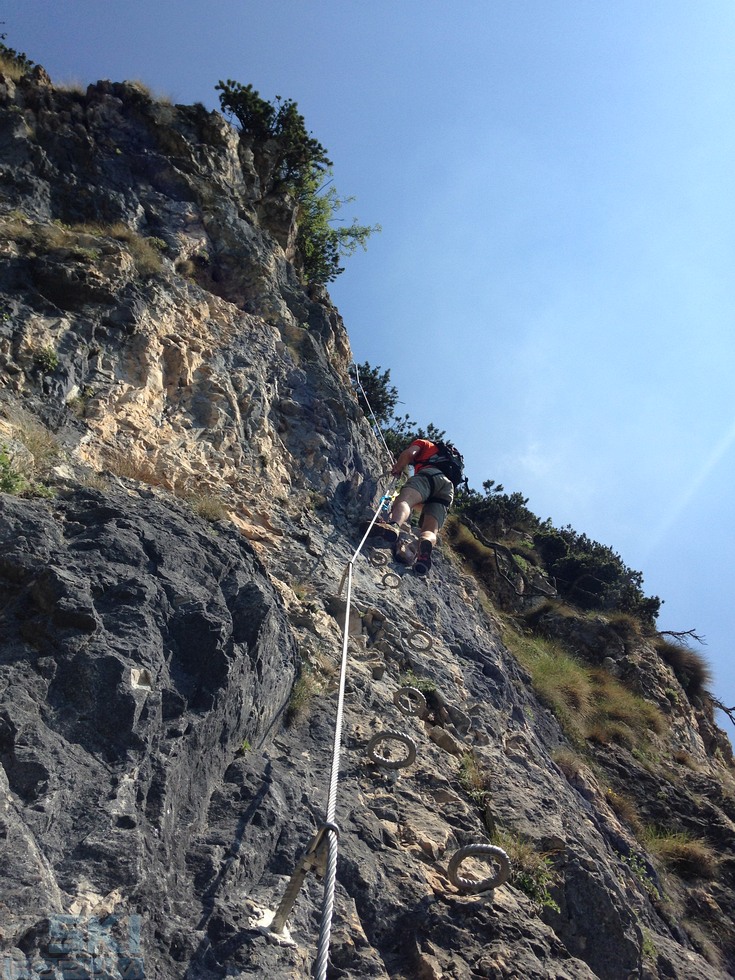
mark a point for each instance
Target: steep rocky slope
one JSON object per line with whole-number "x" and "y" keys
{"x": 170, "y": 621}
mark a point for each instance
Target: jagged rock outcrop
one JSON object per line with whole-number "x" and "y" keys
{"x": 170, "y": 621}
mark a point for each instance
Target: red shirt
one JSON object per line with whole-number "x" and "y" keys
{"x": 428, "y": 449}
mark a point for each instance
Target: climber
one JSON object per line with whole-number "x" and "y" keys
{"x": 437, "y": 471}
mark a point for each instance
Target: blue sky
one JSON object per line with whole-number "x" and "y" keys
{"x": 553, "y": 284}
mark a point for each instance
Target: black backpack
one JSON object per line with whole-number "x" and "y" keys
{"x": 448, "y": 461}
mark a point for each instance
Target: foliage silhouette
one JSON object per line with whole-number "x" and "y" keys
{"x": 290, "y": 159}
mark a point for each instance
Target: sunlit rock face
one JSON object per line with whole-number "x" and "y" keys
{"x": 171, "y": 619}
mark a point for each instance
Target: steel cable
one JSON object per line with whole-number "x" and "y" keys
{"x": 376, "y": 427}
{"x": 330, "y": 877}
{"x": 331, "y": 833}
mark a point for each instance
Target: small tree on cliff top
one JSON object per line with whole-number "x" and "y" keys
{"x": 12, "y": 62}
{"x": 300, "y": 165}
{"x": 299, "y": 156}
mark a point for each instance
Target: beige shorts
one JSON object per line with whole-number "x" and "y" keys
{"x": 436, "y": 490}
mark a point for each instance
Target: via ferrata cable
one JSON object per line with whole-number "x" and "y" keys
{"x": 376, "y": 428}
{"x": 328, "y": 833}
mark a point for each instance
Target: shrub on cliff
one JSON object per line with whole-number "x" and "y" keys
{"x": 496, "y": 512}
{"x": 691, "y": 669}
{"x": 291, "y": 159}
{"x": 297, "y": 155}
{"x": 321, "y": 245}
{"x": 587, "y": 574}
{"x": 590, "y": 575}
{"x": 381, "y": 395}
{"x": 14, "y": 63}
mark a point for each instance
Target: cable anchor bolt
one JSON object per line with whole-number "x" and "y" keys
{"x": 313, "y": 859}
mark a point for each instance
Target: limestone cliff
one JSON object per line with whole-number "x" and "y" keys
{"x": 186, "y": 463}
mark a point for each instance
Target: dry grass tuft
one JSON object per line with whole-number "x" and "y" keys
{"x": 531, "y": 870}
{"x": 145, "y": 251}
{"x": 40, "y": 442}
{"x": 569, "y": 762}
{"x": 129, "y": 468}
{"x": 685, "y": 856}
{"x": 208, "y": 506}
{"x": 625, "y": 809}
{"x": 629, "y": 627}
{"x": 684, "y": 758}
{"x": 473, "y": 780}
{"x": 588, "y": 702}
{"x": 691, "y": 669}
{"x": 305, "y": 689}
{"x": 466, "y": 544}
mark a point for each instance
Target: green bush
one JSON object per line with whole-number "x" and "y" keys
{"x": 587, "y": 575}
{"x": 423, "y": 684}
{"x": 321, "y": 245}
{"x": 593, "y": 576}
{"x": 643, "y": 872}
{"x": 531, "y": 871}
{"x": 496, "y": 512}
{"x": 291, "y": 159}
{"x": 382, "y": 396}
{"x": 46, "y": 359}
{"x": 298, "y": 155}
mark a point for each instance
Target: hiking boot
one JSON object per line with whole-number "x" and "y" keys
{"x": 405, "y": 551}
{"x": 388, "y": 532}
{"x": 423, "y": 558}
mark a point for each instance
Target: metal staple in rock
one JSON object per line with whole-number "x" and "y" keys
{"x": 380, "y": 760}
{"x": 497, "y": 854}
{"x": 313, "y": 859}
{"x": 410, "y": 701}
{"x": 377, "y": 558}
{"x": 420, "y": 641}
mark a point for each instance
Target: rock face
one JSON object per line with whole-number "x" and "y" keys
{"x": 171, "y": 623}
